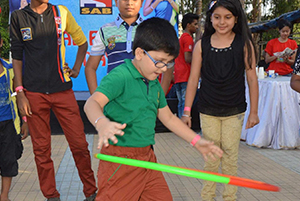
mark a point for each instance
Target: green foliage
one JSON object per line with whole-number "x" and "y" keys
{"x": 190, "y": 6}
{"x": 273, "y": 9}
{"x": 4, "y": 28}
{"x": 5, "y": 38}
{"x": 296, "y": 31}
{"x": 279, "y": 7}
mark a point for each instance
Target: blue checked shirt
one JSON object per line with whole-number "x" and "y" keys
{"x": 115, "y": 39}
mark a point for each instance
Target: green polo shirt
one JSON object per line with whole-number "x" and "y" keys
{"x": 132, "y": 100}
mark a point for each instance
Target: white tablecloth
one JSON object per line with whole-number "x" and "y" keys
{"x": 279, "y": 114}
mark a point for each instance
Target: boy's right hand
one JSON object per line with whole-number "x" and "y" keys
{"x": 23, "y": 105}
{"x": 107, "y": 131}
{"x": 24, "y": 131}
{"x": 208, "y": 149}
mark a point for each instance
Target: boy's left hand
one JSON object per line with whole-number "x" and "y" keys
{"x": 107, "y": 131}
{"x": 252, "y": 121}
{"x": 24, "y": 131}
{"x": 208, "y": 149}
{"x": 69, "y": 71}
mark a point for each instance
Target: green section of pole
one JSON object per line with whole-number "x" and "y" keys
{"x": 163, "y": 168}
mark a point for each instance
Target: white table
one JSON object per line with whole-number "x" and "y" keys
{"x": 279, "y": 114}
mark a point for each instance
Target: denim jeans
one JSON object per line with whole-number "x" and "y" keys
{"x": 180, "y": 92}
{"x": 172, "y": 93}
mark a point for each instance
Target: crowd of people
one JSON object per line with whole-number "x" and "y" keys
{"x": 124, "y": 107}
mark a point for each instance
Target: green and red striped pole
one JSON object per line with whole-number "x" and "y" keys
{"x": 199, "y": 174}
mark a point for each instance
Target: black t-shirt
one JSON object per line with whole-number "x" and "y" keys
{"x": 222, "y": 90}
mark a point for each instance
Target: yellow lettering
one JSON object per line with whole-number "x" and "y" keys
{"x": 85, "y": 11}
{"x": 96, "y": 11}
{"x": 106, "y": 11}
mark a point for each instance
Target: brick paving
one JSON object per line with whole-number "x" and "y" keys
{"x": 277, "y": 167}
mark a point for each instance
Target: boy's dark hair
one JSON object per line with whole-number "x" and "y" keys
{"x": 284, "y": 23}
{"x": 0, "y": 36}
{"x": 240, "y": 27}
{"x": 188, "y": 19}
{"x": 156, "y": 34}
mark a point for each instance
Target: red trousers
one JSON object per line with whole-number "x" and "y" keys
{"x": 118, "y": 182}
{"x": 66, "y": 110}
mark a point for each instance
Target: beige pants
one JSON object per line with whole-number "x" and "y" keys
{"x": 225, "y": 132}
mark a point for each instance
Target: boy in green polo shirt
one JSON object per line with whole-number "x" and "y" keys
{"x": 124, "y": 109}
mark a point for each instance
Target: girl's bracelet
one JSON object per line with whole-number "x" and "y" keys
{"x": 24, "y": 119}
{"x": 187, "y": 109}
{"x": 19, "y": 89}
{"x": 185, "y": 115}
{"x": 195, "y": 140}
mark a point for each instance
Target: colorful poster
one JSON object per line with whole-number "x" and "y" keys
{"x": 17, "y": 4}
{"x": 90, "y": 24}
{"x": 90, "y": 15}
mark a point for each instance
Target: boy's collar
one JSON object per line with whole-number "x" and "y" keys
{"x": 134, "y": 72}
{"x": 36, "y": 11}
{"x": 119, "y": 20}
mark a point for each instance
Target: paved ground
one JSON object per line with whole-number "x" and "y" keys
{"x": 277, "y": 167}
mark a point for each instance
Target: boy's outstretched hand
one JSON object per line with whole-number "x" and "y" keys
{"x": 208, "y": 149}
{"x": 107, "y": 131}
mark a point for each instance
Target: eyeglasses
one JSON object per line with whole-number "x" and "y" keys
{"x": 160, "y": 64}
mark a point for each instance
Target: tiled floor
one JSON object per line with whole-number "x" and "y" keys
{"x": 277, "y": 167}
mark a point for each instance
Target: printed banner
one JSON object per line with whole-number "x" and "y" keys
{"x": 17, "y": 4}
{"x": 90, "y": 15}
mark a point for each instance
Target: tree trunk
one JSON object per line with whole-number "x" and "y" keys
{"x": 256, "y": 16}
{"x": 243, "y": 3}
{"x": 199, "y": 13}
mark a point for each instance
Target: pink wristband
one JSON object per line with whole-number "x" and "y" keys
{"x": 19, "y": 88}
{"x": 195, "y": 140}
{"x": 187, "y": 109}
{"x": 24, "y": 119}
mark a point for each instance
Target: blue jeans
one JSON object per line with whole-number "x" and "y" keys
{"x": 180, "y": 92}
{"x": 172, "y": 93}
